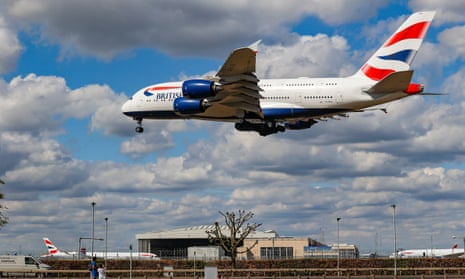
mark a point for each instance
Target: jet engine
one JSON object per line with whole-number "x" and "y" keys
{"x": 189, "y": 106}
{"x": 200, "y": 88}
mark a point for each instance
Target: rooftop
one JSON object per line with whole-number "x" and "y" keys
{"x": 198, "y": 232}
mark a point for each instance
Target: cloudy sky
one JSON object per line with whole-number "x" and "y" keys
{"x": 67, "y": 67}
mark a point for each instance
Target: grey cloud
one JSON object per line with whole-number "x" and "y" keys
{"x": 107, "y": 28}
{"x": 10, "y": 48}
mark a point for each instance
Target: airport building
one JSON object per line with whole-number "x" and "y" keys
{"x": 192, "y": 242}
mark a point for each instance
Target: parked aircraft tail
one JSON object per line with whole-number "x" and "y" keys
{"x": 54, "y": 252}
{"x": 51, "y": 248}
{"x": 398, "y": 52}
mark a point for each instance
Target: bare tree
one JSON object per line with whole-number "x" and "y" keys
{"x": 238, "y": 228}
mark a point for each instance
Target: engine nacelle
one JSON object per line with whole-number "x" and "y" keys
{"x": 199, "y": 88}
{"x": 300, "y": 124}
{"x": 189, "y": 106}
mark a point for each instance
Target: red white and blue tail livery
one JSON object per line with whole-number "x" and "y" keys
{"x": 270, "y": 106}
{"x": 54, "y": 252}
{"x": 398, "y": 51}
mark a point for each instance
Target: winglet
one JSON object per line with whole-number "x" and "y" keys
{"x": 254, "y": 46}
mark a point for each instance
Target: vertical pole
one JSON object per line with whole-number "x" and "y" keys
{"x": 106, "y": 240}
{"x": 395, "y": 239}
{"x": 93, "y": 223}
{"x": 130, "y": 261}
{"x": 338, "y": 250}
{"x": 272, "y": 247}
{"x": 79, "y": 250}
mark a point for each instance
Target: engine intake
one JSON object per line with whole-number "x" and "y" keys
{"x": 190, "y": 106}
{"x": 200, "y": 88}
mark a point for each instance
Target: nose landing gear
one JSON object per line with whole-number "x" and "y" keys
{"x": 139, "y": 128}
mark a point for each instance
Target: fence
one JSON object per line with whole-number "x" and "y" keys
{"x": 301, "y": 273}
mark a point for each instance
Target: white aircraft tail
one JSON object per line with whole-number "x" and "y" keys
{"x": 398, "y": 52}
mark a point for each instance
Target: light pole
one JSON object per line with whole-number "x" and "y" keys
{"x": 395, "y": 239}
{"x": 92, "y": 233}
{"x": 338, "y": 250}
{"x": 106, "y": 240}
{"x": 454, "y": 237}
{"x": 80, "y": 239}
{"x": 194, "y": 263}
{"x": 272, "y": 247}
{"x": 130, "y": 261}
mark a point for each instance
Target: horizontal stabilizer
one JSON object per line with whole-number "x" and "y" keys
{"x": 395, "y": 82}
{"x": 432, "y": 94}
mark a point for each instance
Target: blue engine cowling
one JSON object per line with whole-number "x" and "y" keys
{"x": 189, "y": 106}
{"x": 199, "y": 88}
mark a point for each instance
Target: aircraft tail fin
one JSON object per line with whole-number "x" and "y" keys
{"x": 398, "y": 52}
{"x": 51, "y": 248}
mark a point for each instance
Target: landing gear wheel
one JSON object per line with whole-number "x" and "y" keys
{"x": 139, "y": 128}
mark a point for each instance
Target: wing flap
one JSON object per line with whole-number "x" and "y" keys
{"x": 239, "y": 98}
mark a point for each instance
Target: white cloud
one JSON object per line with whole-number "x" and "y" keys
{"x": 448, "y": 11}
{"x": 308, "y": 57}
{"x": 454, "y": 38}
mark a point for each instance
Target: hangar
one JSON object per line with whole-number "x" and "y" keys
{"x": 176, "y": 244}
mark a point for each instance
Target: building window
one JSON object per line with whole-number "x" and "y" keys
{"x": 279, "y": 253}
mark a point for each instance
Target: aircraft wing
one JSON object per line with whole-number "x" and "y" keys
{"x": 239, "y": 84}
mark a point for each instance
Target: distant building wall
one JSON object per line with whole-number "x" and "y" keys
{"x": 274, "y": 248}
{"x": 346, "y": 251}
{"x": 205, "y": 253}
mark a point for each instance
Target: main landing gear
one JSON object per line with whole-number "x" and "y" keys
{"x": 139, "y": 128}
{"x": 264, "y": 129}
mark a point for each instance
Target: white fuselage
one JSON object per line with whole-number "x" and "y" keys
{"x": 435, "y": 253}
{"x": 282, "y": 99}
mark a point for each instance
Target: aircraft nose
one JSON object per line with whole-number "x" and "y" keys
{"x": 126, "y": 108}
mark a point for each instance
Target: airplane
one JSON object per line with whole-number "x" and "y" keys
{"x": 270, "y": 106}
{"x": 54, "y": 252}
{"x": 454, "y": 251}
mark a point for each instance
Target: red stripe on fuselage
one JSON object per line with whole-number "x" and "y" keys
{"x": 156, "y": 88}
{"x": 416, "y": 31}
